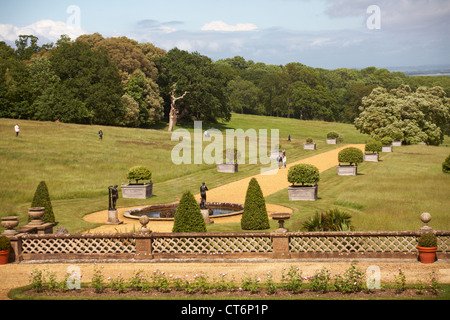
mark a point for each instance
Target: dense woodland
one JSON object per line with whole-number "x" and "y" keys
{"x": 120, "y": 82}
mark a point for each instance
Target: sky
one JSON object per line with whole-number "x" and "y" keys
{"x": 326, "y": 34}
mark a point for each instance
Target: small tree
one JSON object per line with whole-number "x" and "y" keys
{"x": 255, "y": 215}
{"x": 351, "y": 155}
{"x": 139, "y": 173}
{"x": 303, "y": 174}
{"x": 188, "y": 217}
{"x": 309, "y": 140}
{"x": 42, "y": 199}
{"x": 374, "y": 147}
{"x": 446, "y": 165}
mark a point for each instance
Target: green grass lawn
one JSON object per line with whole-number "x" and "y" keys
{"x": 78, "y": 168}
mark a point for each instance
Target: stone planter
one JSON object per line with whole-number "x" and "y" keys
{"x": 386, "y": 149}
{"x": 309, "y": 146}
{"x": 396, "y": 143}
{"x": 227, "y": 167}
{"x": 303, "y": 193}
{"x": 347, "y": 170}
{"x": 331, "y": 141}
{"x": 371, "y": 157}
{"x": 137, "y": 191}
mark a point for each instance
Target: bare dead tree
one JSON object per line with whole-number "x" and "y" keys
{"x": 175, "y": 112}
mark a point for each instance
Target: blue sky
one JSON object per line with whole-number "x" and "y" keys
{"x": 326, "y": 33}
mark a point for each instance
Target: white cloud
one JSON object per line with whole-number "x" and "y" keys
{"x": 222, "y": 26}
{"x": 45, "y": 30}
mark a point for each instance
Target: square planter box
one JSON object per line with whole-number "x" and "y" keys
{"x": 227, "y": 167}
{"x": 137, "y": 191}
{"x": 347, "y": 170}
{"x": 306, "y": 193}
{"x": 386, "y": 149}
{"x": 397, "y": 144}
{"x": 372, "y": 157}
{"x": 331, "y": 141}
{"x": 309, "y": 146}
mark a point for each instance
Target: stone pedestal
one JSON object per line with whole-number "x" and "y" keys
{"x": 113, "y": 217}
{"x": 137, "y": 191}
{"x": 227, "y": 167}
{"x": 205, "y": 214}
{"x": 386, "y": 149}
{"x": 305, "y": 193}
{"x": 309, "y": 146}
{"x": 331, "y": 141}
{"x": 347, "y": 170}
{"x": 371, "y": 157}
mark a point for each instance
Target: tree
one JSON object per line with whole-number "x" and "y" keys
{"x": 42, "y": 199}
{"x": 92, "y": 79}
{"x": 181, "y": 73}
{"x": 420, "y": 116}
{"x": 255, "y": 215}
{"x": 188, "y": 217}
{"x": 146, "y": 93}
{"x": 243, "y": 96}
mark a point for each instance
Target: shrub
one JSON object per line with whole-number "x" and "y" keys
{"x": 42, "y": 199}
{"x": 446, "y": 165}
{"x": 255, "y": 215}
{"x": 386, "y": 141}
{"x": 5, "y": 243}
{"x": 303, "y": 174}
{"x": 332, "y": 135}
{"x": 309, "y": 140}
{"x": 332, "y": 220}
{"x": 139, "y": 173}
{"x": 374, "y": 146}
{"x": 188, "y": 217}
{"x": 427, "y": 240}
{"x": 351, "y": 281}
{"x": 351, "y": 155}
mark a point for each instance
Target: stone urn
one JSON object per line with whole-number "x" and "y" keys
{"x": 36, "y": 214}
{"x": 9, "y": 223}
{"x": 144, "y": 220}
{"x": 281, "y": 218}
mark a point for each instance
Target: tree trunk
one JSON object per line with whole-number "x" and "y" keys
{"x": 174, "y": 114}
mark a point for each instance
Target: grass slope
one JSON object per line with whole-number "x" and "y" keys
{"x": 78, "y": 167}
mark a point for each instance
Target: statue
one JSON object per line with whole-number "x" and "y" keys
{"x": 113, "y": 196}
{"x": 203, "y": 190}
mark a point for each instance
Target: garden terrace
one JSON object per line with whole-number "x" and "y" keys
{"x": 242, "y": 245}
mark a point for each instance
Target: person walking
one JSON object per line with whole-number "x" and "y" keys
{"x": 284, "y": 161}
{"x": 17, "y": 130}
{"x": 100, "y": 133}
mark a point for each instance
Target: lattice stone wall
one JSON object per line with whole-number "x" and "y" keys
{"x": 99, "y": 244}
{"x": 212, "y": 245}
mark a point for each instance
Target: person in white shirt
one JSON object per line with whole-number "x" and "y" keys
{"x": 17, "y": 130}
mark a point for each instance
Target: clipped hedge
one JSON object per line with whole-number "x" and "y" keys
{"x": 351, "y": 155}
{"x": 332, "y": 135}
{"x": 386, "y": 141}
{"x": 446, "y": 165}
{"x": 374, "y": 147}
{"x": 303, "y": 174}
{"x": 188, "y": 217}
{"x": 139, "y": 173}
{"x": 255, "y": 215}
{"x": 42, "y": 199}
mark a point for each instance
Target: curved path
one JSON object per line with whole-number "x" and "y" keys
{"x": 233, "y": 192}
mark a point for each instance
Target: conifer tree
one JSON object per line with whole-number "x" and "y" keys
{"x": 255, "y": 211}
{"x": 188, "y": 217}
{"x": 42, "y": 199}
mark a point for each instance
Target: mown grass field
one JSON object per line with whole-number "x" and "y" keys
{"x": 78, "y": 168}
